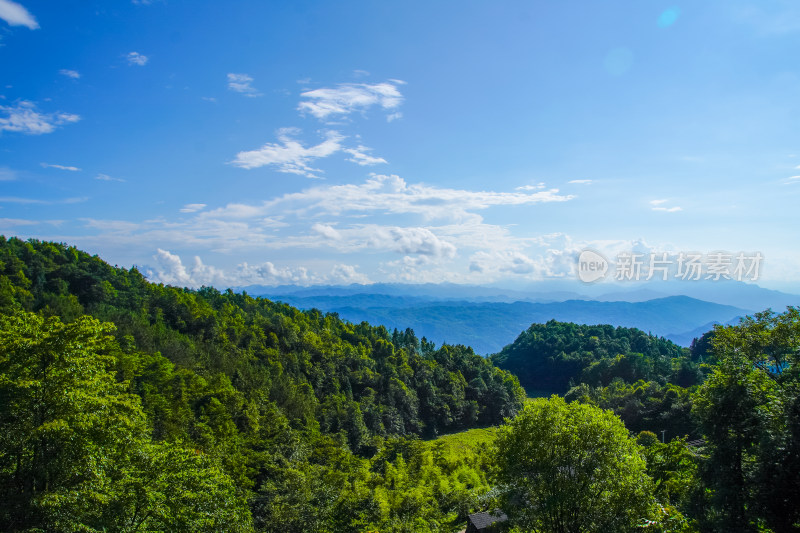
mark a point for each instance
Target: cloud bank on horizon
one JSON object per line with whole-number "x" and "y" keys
{"x": 488, "y": 157}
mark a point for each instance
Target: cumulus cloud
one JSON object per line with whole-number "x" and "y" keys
{"x": 329, "y": 232}
{"x": 416, "y": 231}
{"x": 192, "y": 208}
{"x": 16, "y": 15}
{"x": 60, "y": 167}
{"x": 170, "y": 270}
{"x": 361, "y": 157}
{"x": 509, "y": 261}
{"x": 411, "y": 240}
{"x": 74, "y": 74}
{"x": 24, "y": 117}
{"x": 347, "y": 98}
{"x": 289, "y": 155}
{"x": 348, "y": 274}
{"x": 240, "y": 83}
{"x": 135, "y": 58}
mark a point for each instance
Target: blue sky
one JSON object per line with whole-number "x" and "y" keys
{"x": 236, "y": 143}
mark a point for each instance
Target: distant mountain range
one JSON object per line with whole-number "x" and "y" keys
{"x": 746, "y": 296}
{"x": 488, "y": 318}
{"x": 489, "y": 326}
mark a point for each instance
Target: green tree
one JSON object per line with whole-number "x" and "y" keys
{"x": 74, "y": 449}
{"x": 748, "y": 410}
{"x": 572, "y": 468}
{"x": 64, "y": 420}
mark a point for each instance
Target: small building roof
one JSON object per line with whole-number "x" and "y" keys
{"x": 480, "y": 521}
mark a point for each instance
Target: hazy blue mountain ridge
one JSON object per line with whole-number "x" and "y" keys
{"x": 489, "y": 326}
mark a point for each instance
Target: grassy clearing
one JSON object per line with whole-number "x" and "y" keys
{"x": 466, "y": 443}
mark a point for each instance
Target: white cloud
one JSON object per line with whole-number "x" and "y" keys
{"x": 60, "y": 167}
{"x": 74, "y": 74}
{"x": 329, "y": 232}
{"x": 420, "y": 241}
{"x": 135, "y": 58}
{"x": 290, "y": 156}
{"x": 391, "y": 194}
{"x": 530, "y": 187}
{"x": 658, "y": 205}
{"x": 240, "y": 83}
{"x": 417, "y": 232}
{"x": 347, "y": 274}
{"x": 347, "y": 98}
{"x": 171, "y": 270}
{"x": 23, "y": 117}
{"x": 580, "y": 182}
{"x": 361, "y": 157}
{"x": 16, "y": 15}
{"x": 236, "y": 211}
{"x": 391, "y": 117}
{"x": 509, "y": 261}
{"x": 192, "y": 208}
{"x": 106, "y": 177}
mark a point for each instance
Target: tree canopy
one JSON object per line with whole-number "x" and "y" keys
{"x": 571, "y": 467}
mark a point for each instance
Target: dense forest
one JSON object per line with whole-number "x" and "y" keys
{"x": 287, "y": 407}
{"x": 132, "y": 406}
{"x": 644, "y": 379}
{"x": 552, "y": 357}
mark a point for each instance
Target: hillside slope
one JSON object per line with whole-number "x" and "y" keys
{"x": 354, "y": 378}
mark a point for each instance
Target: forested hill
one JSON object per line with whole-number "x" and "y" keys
{"x": 549, "y": 356}
{"x": 363, "y": 380}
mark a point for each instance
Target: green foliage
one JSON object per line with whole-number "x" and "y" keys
{"x": 318, "y": 369}
{"x": 748, "y": 409}
{"x": 74, "y": 452}
{"x": 572, "y": 468}
{"x": 643, "y": 406}
{"x": 557, "y": 355}
{"x": 198, "y": 401}
{"x": 671, "y": 466}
